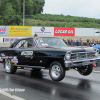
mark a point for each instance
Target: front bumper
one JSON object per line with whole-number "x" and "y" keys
{"x": 80, "y": 62}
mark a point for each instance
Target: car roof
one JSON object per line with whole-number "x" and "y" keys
{"x": 37, "y": 37}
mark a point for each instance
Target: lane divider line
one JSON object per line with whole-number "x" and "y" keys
{"x": 11, "y": 96}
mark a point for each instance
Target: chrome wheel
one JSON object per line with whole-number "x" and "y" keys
{"x": 55, "y": 71}
{"x": 7, "y": 65}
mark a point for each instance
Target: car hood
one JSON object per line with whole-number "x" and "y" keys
{"x": 72, "y": 49}
{"x": 78, "y": 49}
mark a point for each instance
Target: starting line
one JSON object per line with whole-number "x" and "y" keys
{"x": 11, "y": 96}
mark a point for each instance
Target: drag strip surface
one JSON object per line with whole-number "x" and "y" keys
{"x": 39, "y": 86}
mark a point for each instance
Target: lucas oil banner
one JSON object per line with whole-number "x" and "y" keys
{"x": 20, "y": 30}
{"x": 64, "y": 31}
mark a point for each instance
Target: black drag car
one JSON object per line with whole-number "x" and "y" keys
{"x": 48, "y": 53}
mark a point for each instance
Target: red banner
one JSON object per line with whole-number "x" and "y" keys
{"x": 64, "y": 31}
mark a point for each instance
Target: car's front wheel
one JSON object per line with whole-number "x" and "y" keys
{"x": 85, "y": 70}
{"x": 56, "y": 71}
{"x": 9, "y": 67}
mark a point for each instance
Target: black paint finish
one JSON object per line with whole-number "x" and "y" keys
{"x": 41, "y": 55}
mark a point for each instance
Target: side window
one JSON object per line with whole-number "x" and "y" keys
{"x": 34, "y": 43}
{"x": 20, "y": 44}
{"x": 26, "y": 43}
{"x": 13, "y": 44}
{"x": 30, "y": 43}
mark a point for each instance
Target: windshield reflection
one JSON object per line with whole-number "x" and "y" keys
{"x": 50, "y": 42}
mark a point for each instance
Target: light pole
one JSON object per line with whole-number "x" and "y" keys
{"x": 23, "y": 12}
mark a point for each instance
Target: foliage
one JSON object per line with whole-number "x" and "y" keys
{"x": 11, "y": 11}
{"x": 33, "y": 7}
{"x": 62, "y": 21}
{"x": 8, "y": 10}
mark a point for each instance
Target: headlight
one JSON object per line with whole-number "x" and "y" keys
{"x": 96, "y": 53}
{"x": 68, "y": 55}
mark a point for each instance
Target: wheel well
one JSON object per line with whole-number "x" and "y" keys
{"x": 52, "y": 60}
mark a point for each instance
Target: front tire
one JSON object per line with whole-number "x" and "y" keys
{"x": 56, "y": 71}
{"x": 9, "y": 67}
{"x": 85, "y": 70}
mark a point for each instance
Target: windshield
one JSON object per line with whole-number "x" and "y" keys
{"x": 50, "y": 42}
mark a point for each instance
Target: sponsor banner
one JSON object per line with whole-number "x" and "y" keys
{"x": 5, "y": 57}
{"x": 14, "y": 60}
{"x": 84, "y": 32}
{"x": 20, "y": 30}
{"x": 2, "y": 54}
{"x": 10, "y": 39}
{"x": 3, "y": 30}
{"x": 64, "y": 31}
{"x": 1, "y": 59}
{"x": 27, "y": 53}
{"x": 43, "y": 31}
{"x": 97, "y": 32}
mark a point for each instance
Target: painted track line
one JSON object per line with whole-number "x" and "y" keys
{"x": 96, "y": 71}
{"x": 11, "y": 96}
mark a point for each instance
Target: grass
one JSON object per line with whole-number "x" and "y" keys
{"x": 34, "y": 22}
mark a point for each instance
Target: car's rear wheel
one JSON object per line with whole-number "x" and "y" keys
{"x": 9, "y": 67}
{"x": 56, "y": 71}
{"x": 85, "y": 70}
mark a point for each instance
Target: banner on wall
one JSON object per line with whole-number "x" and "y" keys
{"x": 64, "y": 31}
{"x": 84, "y": 32}
{"x": 97, "y": 32}
{"x": 43, "y": 31}
{"x": 10, "y": 39}
{"x": 20, "y": 30}
{"x": 3, "y": 30}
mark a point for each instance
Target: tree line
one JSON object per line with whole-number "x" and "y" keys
{"x": 62, "y": 18}
{"x": 11, "y": 11}
{"x": 62, "y": 21}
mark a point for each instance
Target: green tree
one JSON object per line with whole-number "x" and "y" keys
{"x": 33, "y": 7}
{"x": 38, "y": 6}
{"x": 29, "y": 7}
{"x": 8, "y": 11}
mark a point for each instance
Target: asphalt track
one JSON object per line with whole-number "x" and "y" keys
{"x": 39, "y": 86}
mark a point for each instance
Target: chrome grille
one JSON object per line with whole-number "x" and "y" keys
{"x": 90, "y": 55}
{"x": 82, "y": 55}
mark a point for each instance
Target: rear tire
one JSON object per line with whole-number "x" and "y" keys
{"x": 85, "y": 70}
{"x": 9, "y": 67}
{"x": 56, "y": 71}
